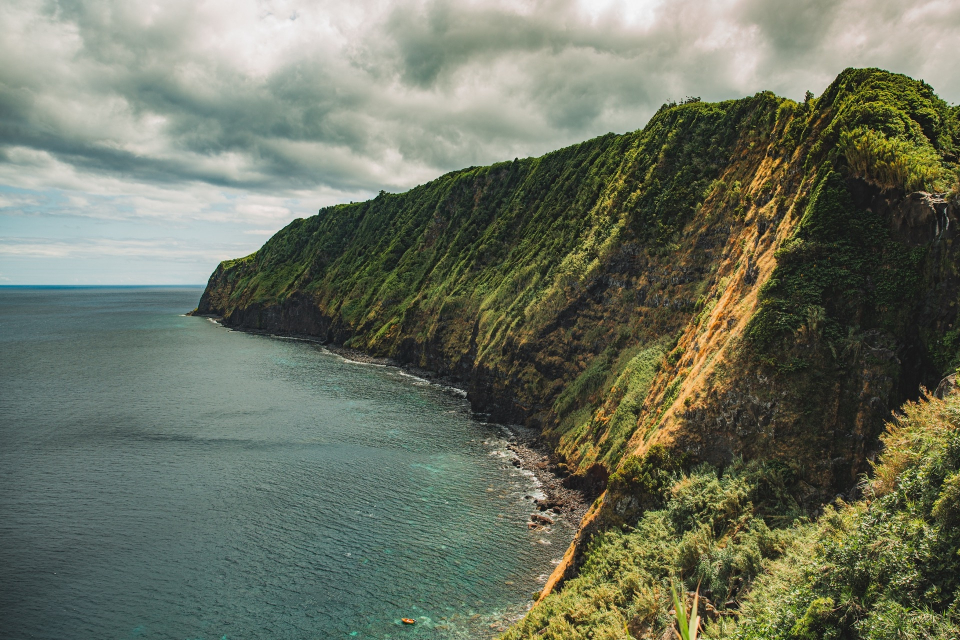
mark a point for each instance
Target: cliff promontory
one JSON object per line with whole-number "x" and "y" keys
{"x": 710, "y": 319}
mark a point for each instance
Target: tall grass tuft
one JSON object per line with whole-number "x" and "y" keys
{"x": 688, "y": 624}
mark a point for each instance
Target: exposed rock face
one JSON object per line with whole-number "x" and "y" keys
{"x": 947, "y": 386}
{"x": 919, "y": 219}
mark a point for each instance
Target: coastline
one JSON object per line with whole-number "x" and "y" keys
{"x": 560, "y": 501}
{"x": 532, "y": 453}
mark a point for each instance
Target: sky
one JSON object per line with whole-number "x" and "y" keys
{"x": 142, "y": 142}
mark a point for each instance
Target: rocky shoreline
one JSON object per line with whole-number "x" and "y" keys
{"x": 568, "y": 503}
{"x": 532, "y": 453}
{"x": 561, "y": 500}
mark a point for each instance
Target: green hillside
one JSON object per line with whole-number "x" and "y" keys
{"x": 711, "y": 320}
{"x": 884, "y": 567}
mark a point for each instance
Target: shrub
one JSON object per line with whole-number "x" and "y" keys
{"x": 709, "y": 532}
{"x": 885, "y": 567}
{"x": 891, "y": 163}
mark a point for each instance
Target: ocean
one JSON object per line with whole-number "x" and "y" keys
{"x": 164, "y": 477}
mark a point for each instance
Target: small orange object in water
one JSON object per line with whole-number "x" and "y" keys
{"x": 408, "y": 621}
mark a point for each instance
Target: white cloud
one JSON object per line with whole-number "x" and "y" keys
{"x": 285, "y": 95}
{"x": 248, "y": 113}
{"x": 162, "y": 248}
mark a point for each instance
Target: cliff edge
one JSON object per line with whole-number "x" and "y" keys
{"x": 754, "y": 280}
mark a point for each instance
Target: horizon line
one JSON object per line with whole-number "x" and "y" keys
{"x": 93, "y": 286}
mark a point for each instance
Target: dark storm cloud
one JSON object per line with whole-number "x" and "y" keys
{"x": 282, "y": 96}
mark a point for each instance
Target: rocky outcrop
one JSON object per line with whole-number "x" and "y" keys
{"x": 947, "y": 386}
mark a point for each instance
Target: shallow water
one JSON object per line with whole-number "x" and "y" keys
{"x": 164, "y": 477}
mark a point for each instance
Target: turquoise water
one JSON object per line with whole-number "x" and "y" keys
{"x": 164, "y": 477}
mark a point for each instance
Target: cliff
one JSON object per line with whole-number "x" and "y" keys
{"x": 756, "y": 279}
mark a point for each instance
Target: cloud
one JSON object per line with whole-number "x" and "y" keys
{"x": 283, "y": 95}
{"x": 61, "y": 190}
{"x": 252, "y": 112}
{"x": 166, "y": 249}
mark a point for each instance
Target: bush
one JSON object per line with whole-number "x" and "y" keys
{"x": 885, "y": 567}
{"x": 893, "y": 163}
{"x": 709, "y": 532}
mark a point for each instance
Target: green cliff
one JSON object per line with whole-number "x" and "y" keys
{"x": 722, "y": 308}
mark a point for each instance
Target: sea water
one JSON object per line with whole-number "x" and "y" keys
{"x": 164, "y": 477}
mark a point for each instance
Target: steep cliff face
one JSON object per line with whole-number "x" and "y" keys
{"x": 847, "y": 324}
{"x": 753, "y": 278}
{"x": 519, "y": 277}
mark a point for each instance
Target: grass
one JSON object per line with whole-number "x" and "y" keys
{"x": 894, "y": 163}
{"x": 688, "y": 622}
{"x": 885, "y": 567}
{"x": 618, "y": 388}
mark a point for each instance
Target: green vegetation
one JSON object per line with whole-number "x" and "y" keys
{"x": 586, "y": 291}
{"x": 841, "y": 271}
{"x": 688, "y": 622}
{"x": 895, "y": 163}
{"x": 887, "y": 566}
{"x": 508, "y": 238}
{"x": 601, "y": 435}
{"x": 893, "y": 131}
{"x": 715, "y": 529}
{"x": 944, "y": 349}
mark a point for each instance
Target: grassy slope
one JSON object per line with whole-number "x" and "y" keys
{"x": 883, "y": 567}
{"x": 521, "y": 276}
